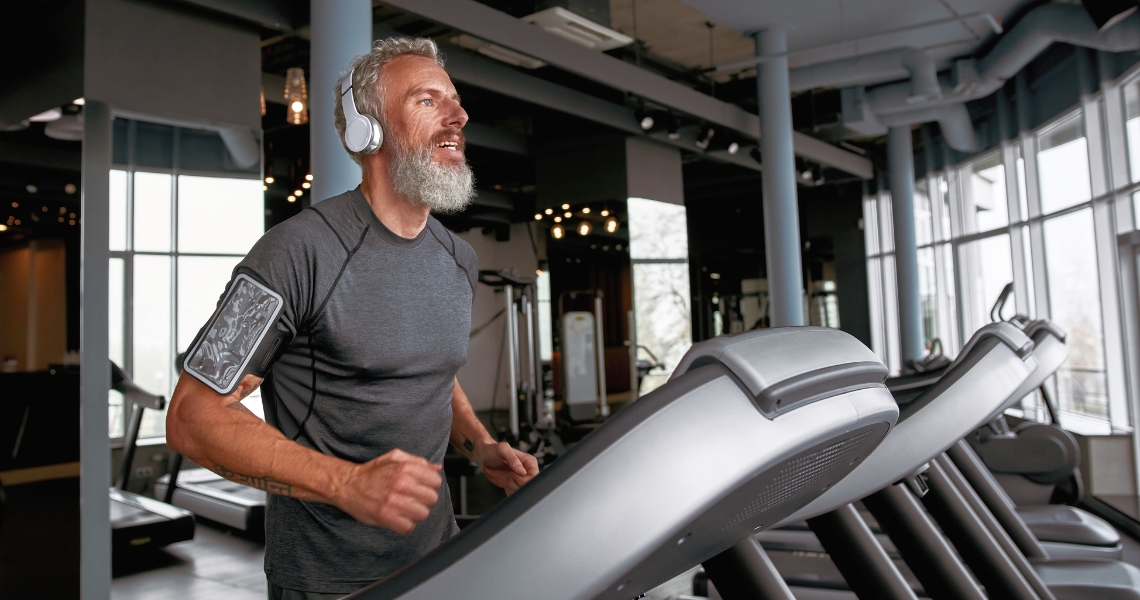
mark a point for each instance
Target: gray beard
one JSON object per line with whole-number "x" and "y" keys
{"x": 419, "y": 180}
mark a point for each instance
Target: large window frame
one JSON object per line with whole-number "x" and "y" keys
{"x": 120, "y": 418}
{"x": 1114, "y": 228}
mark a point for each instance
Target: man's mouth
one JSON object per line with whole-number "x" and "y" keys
{"x": 447, "y": 145}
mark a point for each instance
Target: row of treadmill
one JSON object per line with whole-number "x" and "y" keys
{"x": 786, "y": 464}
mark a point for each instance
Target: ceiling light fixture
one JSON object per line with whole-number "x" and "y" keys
{"x": 70, "y": 188}
{"x": 558, "y": 232}
{"x": 31, "y": 188}
{"x": 306, "y": 185}
{"x": 309, "y": 177}
{"x": 612, "y": 225}
{"x": 549, "y": 211}
{"x": 605, "y": 212}
{"x": 291, "y": 198}
{"x": 538, "y": 217}
{"x": 586, "y": 210}
{"x": 565, "y": 207}
{"x": 557, "y": 219}
{"x": 296, "y": 97}
{"x": 79, "y": 102}
{"x": 262, "y": 90}
{"x": 3, "y": 227}
{"x": 568, "y": 214}
{"x": 269, "y": 179}
{"x": 584, "y": 228}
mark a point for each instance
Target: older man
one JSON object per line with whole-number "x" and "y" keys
{"x": 355, "y": 314}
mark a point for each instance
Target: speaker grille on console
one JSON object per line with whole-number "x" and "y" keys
{"x": 799, "y": 475}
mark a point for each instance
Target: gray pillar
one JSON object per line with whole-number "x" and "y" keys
{"x": 781, "y": 212}
{"x": 95, "y": 372}
{"x": 341, "y": 29}
{"x": 900, "y": 154}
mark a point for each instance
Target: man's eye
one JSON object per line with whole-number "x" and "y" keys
{"x": 426, "y": 101}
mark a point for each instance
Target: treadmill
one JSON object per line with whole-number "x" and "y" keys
{"x": 211, "y": 496}
{"x": 137, "y": 521}
{"x": 751, "y": 428}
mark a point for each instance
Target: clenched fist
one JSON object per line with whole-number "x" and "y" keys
{"x": 395, "y": 491}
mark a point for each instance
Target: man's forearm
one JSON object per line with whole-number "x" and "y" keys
{"x": 226, "y": 438}
{"x": 467, "y": 432}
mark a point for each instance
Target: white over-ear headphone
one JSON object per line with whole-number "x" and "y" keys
{"x": 362, "y": 133}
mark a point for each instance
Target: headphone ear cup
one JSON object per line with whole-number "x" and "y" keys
{"x": 363, "y": 134}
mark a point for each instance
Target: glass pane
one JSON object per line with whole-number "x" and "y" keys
{"x": 657, "y": 230}
{"x": 153, "y": 363}
{"x": 871, "y": 225}
{"x": 661, "y": 301}
{"x": 949, "y": 303}
{"x": 545, "y": 333}
{"x": 1132, "y": 127}
{"x": 201, "y": 281}
{"x": 1063, "y": 165}
{"x": 118, "y": 225}
{"x": 891, "y": 304}
{"x": 923, "y": 219}
{"x": 928, "y": 295}
{"x": 886, "y": 223}
{"x": 115, "y": 340}
{"x": 1027, "y": 252}
{"x": 875, "y": 298}
{"x": 218, "y": 215}
{"x": 983, "y": 195}
{"x": 1074, "y": 301}
{"x": 945, "y": 194}
{"x": 987, "y": 267}
{"x": 1022, "y": 193}
{"x": 152, "y": 212}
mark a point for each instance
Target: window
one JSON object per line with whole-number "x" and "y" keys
{"x": 172, "y": 292}
{"x": 986, "y": 267}
{"x": 983, "y": 195}
{"x": 1132, "y": 127}
{"x": 1063, "y": 165}
{"x": 659, "y": 250}
{"x": 1074, "y": 302}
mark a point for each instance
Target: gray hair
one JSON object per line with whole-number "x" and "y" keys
{"x": 366, "y": 85}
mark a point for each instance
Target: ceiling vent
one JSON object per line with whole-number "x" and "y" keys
{"x": 577, "y": 29}
{"x": 497, "y": 52}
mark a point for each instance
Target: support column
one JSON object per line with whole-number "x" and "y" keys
{"x": 900, "y": 154}
{"x": 341, "y": 29}
{"x": 781, "y": 210}
{"x": 95, "y": 370}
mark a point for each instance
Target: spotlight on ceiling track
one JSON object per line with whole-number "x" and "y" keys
{"x": 584, "y": 228}
{"x": 705, "y": 137}
{"x": 558, "y": 232}
{"x": 1106, "y": 13}
{"x": 611, "y": 225}
{"x": 644, "y": 119}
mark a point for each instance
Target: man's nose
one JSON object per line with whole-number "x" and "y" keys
{"x": 457, "y": 117}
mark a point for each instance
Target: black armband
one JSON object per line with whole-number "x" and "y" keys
{"x": 245, "y": 335}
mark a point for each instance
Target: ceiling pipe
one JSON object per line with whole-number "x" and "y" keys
{"x": 879, "y": 67}
{"x": 954, "y": 119}
{"x": 243, "y": 144}
{"x": 1039, "y": 28}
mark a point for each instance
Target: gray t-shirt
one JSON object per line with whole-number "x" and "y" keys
{"x": 382, "y": 325}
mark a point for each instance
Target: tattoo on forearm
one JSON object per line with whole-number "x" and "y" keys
{"x": 266, "y": 483}
{"x": 467, "y": 444}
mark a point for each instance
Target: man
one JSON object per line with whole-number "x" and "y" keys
{"x": 370, "y": 299}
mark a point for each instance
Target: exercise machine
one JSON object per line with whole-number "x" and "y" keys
{"x": 749, "y": 429}
{"x": 138, "y": 521}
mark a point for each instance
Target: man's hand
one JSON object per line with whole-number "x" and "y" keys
{"x": 505, "y": 466}
{"x": 395, "y": 491}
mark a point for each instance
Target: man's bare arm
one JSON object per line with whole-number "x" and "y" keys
{"x": 395, "y": 490}
{"x": 506, "y": 467}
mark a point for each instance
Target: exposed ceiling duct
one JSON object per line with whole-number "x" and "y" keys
{"x": 870, "y": 69}
{"x": 1039, "y": 28}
